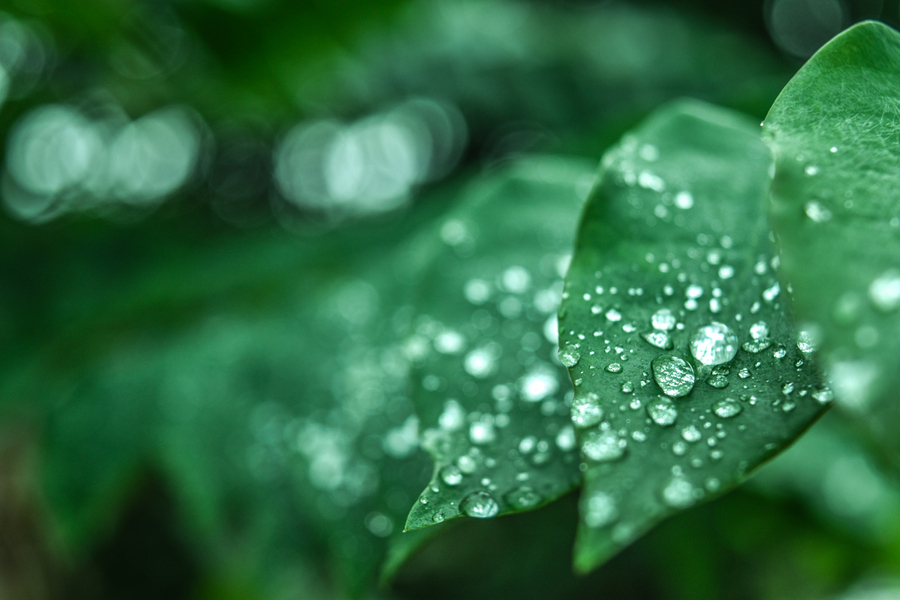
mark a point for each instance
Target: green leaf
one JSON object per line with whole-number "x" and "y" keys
{"x": 492, "y": 391}
{"x": 687, "y": 371}
{"x": 834, "y": 210}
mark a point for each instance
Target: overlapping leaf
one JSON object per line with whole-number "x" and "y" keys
{"x": 493, "y": 397}
{"x": 834, "y": 134}
{"x": 687, "y": 371}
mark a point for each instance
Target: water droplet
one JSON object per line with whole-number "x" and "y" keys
{"x": 449, "y": 342}
{"x": 569, "y": 356}
{"x": 727, "y": 408}
{"x": 726, "y": 272}
{"x": 438, "y": 517}
{"x": 662, "y": 411}
{"x": 451, "y": 475}
{"x": 718, "y": 381}
{"x": 817, "y": 211}
{"x": 482, "y": 433}
{"x": 466, "y": 464}
{"x": 477, "y": 291}
{"x": 691, "y": 434}
{"x": 586, "y": 411}
{"x": 565, "y": 439}
{"x": 614, "y": 368}
{"x": 694, "y": 291}
{"x": 807, "y": 340}
{"x": 480, "y": 505}
{"x": 679, "y": 493}
{"x": 679, "y": 448}
{"x": 744, "y": 373}
{"x": 659, "y": 339}
{"x": 663, "y": 319}
{"x": 885, "y": 291}
{"x": 627, "y": 387}
{"x": 714, "y": 344}
{"x": 599, "y": 510}
{"x": 769, "y": 294}
{"x": 824, "y": 396}
{"x": 523, "y": 498}
{"x": 684, "y": 200}
{"x": 759, "y": 330}
{"x": 480, "y": 363}
{"x": 537, "y": 385}
{"x": 674, "y": 375}
{"x": 811, "y": 170}
{"x": 780, "y": 352}
{"x": 602, "y": 445}
{"x": 613, "y": 315}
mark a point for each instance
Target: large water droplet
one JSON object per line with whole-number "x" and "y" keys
{"x": 714, "y": 344}
{"x": 523, "y": 498}
{"x": 451, "y": 475}
{"x": 659, "y": 339}
{"x": 817, "y": 211}
{"x": 679, "y": 493}
{"x": 480, "y": 505}
{"x": 586, "y": 411}
{"x": 674, "y": 375}
{"x": 727, "y": 408}
{"x": 599, "y": 510}
{"x": 662, "y": 411}
{"x": 569, "y": 355}
{"x": 602, "y": 445}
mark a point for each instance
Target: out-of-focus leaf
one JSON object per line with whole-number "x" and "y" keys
{"x": 834, "y": 134}
{"x": 285, "y": 430}
{"x": 687, "y": 371}
{"x": 493, "y": 395}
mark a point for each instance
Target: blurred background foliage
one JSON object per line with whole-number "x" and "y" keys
{"x": 213, "y": 213}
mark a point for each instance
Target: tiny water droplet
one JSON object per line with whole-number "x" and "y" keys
{"x": 816, "y": 211}
{"x": 674, "y": 375}
{"x": 480, "y": 505}
{"x": 614, "y": 368}
{"x": 727, "y": 408}
{"x": 451, "y": 475}
{"x": 627, "y": 387}
{"x": 769, "y": 294}
{"x": 662, "y": 411}
{"x": 718, "y": 381}
{"x": 780, "y": 352}
{"x": 691, "y": 434}
{"x": 523, "y": 498}
{"x": 603, "y": 445}
{"x": 569, "y": 355}
{"x": 744, "y": 373}
{"x": 658, "y": 339}
{"x": 613, "y": 315}
{"x": 438, "y": 517}
{"x": 663, "y": 319}
{"x": 599, "y": 510}
{"x": 679, "y": 493}
{"x": 714, "y": 344}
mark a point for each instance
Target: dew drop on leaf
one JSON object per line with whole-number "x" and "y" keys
{"x": 674, "y": 375}
{"x": 727, "y": 408}
{"x": 678, "y": 493}
{"x": 602, "y": 445}
{"x": 662, "y": 411}
{"x": 569, "y": 355}
{"x": 691, "y": 434}
{"x": 659, "y": 339}
{"x": 599, "y": 510}
{"x": 480, "y": 505}
{"x": 663, "y": 319}
{"x": 586, "y": 411}
{"x": 451, "y": 475}
{"x": 714, "y": 344}
{"x": 523, "y": 498}
{"x": 885, "y": 291}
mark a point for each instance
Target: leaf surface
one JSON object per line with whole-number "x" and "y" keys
{"x": 493, "y": 393}
{"x": 687, "y": 372}
{"x": 835, "y": 135}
